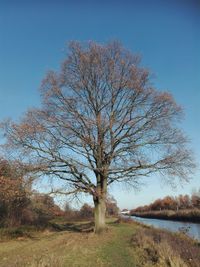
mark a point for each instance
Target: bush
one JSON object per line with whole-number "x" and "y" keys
{"x": 16, "y": 232}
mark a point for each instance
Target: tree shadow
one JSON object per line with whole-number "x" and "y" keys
{"x": 81, "y": 227}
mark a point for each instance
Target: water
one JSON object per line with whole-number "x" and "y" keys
{"x": 192, "y": 229}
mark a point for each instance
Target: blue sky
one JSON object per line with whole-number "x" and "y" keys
{"x": 33, "y": 38}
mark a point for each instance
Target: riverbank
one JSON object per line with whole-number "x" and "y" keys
{"x": 181, "y": 215}
{"x": 124, "y": 244}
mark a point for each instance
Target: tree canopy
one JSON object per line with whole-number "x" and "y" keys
{"x": 102, "y": 121}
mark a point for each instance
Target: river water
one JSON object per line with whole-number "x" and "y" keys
{"x": 191, "y": 229}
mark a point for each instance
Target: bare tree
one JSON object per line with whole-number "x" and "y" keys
{"x": 102, "y": 122}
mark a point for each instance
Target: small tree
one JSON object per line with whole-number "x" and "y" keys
{"x": 67, "y": 208}
{"x": 69, "y": 212}
{"x": 86, "y": 211}
{"x": 43, "y": 208}
{"x": 111, "y": 206}
{"x": 102, "y": 122}
{"x": 184, "y": 201}
{"x": 195, "y": 199}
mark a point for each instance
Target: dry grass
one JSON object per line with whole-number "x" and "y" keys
{"x": 124, "y": 244}
{"x": 160, "y": 248}
{"x": 71, "y": 247}
{"x": 48, "y": 249}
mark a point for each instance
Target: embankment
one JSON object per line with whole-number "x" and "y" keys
{"x": 181, "y": 215}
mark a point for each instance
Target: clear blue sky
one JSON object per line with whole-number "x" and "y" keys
{"x": 34, "y": 34}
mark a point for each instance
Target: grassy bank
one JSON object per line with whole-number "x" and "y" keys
{"x": 123, "y": 244}
{"x": 181, "y": 215}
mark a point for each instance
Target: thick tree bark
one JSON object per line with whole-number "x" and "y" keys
{"x": 100, "y": 204}
{"x": 99, "y": 214}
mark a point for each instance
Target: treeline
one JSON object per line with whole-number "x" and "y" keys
{"x": 180, "y": 202}
{"x": 20, "y": 205}
{"x": 87, "y": 211}
{"x": 181, "y": 208}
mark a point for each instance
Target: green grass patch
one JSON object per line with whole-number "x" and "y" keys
{"x": 117, "y": 252}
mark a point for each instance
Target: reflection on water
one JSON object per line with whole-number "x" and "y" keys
{"x": 191, "y": 229}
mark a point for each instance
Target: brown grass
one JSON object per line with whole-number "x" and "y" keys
{"x": 124, "y": 244}
{"x": 161, "y": 248}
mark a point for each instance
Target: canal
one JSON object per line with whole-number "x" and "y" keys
{"x": 191, "y": 229}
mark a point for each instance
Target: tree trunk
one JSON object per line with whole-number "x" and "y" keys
{"x": 99, "y": 214}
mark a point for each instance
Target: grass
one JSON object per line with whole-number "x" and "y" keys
{"x": 72, "y": 245}
{"x": 161, "y": 248}
{"x": 17, "y": 232}
{"x": 117, "y": 251}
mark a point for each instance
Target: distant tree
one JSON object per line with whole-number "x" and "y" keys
{"x": 69, "y": 212}
{"x": 195, "y": 199}
{"x": 167, "y": 203}
{"x": 67, "y": 208}
{"x": 44, "y": 208}
{"x": 111, "y": 206}
{"x": 156, "y": 205}
{"x": 86, "y": 211}
{"x": 184, "y": 201}
{"x": 172, "y": 203}
{"x": 101, "y": 122}
{"x": 142, "y": 208}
